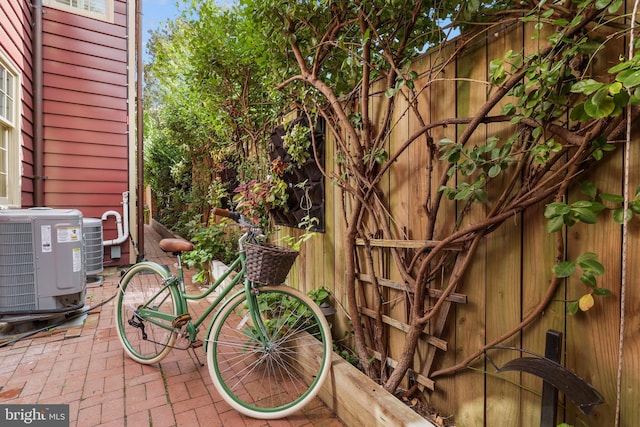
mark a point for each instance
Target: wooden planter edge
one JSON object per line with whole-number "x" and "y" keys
{"x": 358, "y": 401}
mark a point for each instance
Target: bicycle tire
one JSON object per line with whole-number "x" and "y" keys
{"x": 268, "y": 382}
{"x": 137, "y": 287}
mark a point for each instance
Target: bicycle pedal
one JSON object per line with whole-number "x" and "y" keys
{"x": 196, "y": 344}
{"x": 181, "y": 320}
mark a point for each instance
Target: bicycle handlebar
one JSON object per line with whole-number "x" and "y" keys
{"x": 226, "y": 213}
{"x": 252, "y": 232}
{"x": 235, "y": 216}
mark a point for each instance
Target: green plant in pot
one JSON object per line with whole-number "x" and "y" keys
{"x": 215, "y": 242}
{"x": 321, "y": 297}
{"x": 255, "y": 198}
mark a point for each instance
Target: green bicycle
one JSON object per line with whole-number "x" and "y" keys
{"x": 268, "y": 346}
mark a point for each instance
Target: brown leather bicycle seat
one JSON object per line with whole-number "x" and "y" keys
{"x": 176, "y": 245}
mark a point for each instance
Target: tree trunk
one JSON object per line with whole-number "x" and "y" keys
{"x": 350, "y": 265}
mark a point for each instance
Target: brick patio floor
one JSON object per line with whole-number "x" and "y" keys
{"x": 85, "y": 367}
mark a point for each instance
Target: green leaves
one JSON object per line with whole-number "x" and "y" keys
{"x": 478, "y": 163}
{"x": 590, "y": 267}
{"x": 560, "y": 214}
{"x": 586, "y": 87}
{"x": 498, "y": 71}
{"x": 601, "y": 145}
{"x": 378, "y": 155}
{"x": 609, "y": 99}
{"x": 406, "y": 79}
{"x": 297, "y": 141}
{"x": 604, "y": 100}
{"x": 587, "y": 264}
{"x": 215, "y": 242}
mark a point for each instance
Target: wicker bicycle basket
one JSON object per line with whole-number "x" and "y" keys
{"x": 268, "y": 264}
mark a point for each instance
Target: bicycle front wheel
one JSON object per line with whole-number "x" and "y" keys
{"x": 146, "y": 339}
{"x": 273, "y": 363}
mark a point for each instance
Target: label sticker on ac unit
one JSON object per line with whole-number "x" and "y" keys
{"x": 77, "y": 260}
{"x": 45, "y": 238}
{"x": 68, "y": 234}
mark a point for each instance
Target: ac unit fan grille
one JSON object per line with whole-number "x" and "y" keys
{"x": 17, "y": 275}
{"x": 94, "y": 249}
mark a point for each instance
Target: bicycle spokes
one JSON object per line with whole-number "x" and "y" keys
{"x": 145, "y": 306}
{"x": 265, "y": 363}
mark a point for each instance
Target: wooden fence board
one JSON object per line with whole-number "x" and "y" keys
{"x": 594, "y": 335}
{"x": 630, "y": 392}
{"x": 470, "y": 319}
{"x": 333, "y": 244}
{"x": 400, "y": 180}
{"x": 503, "y": 260}
{"x": 536, "y": 274}
{"x": 538, "y": 248}
{"x": 438, "y": 102}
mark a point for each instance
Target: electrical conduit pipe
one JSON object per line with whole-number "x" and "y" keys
{"x": 122, "y": 234}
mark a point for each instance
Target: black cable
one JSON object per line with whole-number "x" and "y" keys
{"x": 61, "y": 322}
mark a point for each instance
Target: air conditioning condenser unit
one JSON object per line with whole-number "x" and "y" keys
{"x": 42, "y": 265}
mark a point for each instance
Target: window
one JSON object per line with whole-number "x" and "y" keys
{"x": 9, "y": 132}
{"x": 98, "y": 9}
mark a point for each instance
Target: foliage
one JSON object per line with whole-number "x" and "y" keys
{"x": 255, "y": 198}
{"x": 609, "y": 99}
{"x": 347, "y": 354}
{"x": 319, "y": 295}
{"x": 171, "y": 191}
{"x": 561, "y": 214}
{"x": 297, "y": 142}
{"x": 484, "y": 162}
{"x": 591, "y": 268}
{"x": 211, "y": 98}
{"x": 286, "y": 312}
{"x": 215, "y": 242}
{"x": 307, "y": 223}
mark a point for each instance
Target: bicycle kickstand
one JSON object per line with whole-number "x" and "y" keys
{"x": 197, "y": 344}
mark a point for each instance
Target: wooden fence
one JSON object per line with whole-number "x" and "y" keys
{"x": 508, "y": 277}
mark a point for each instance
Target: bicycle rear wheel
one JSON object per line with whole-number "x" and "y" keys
{"x": 277, "y": 377}
{"x": 149, "y": 340}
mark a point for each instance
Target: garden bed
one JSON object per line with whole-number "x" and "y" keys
{"x": 358, "y": 401}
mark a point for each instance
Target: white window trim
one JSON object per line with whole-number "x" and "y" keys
{"x": 107, "y": 16}
{"x": 14, "y": 147}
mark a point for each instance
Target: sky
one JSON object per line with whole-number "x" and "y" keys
{"x": 154, "y": 12}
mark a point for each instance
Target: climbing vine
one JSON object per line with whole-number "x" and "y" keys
{"x": 564, "y": 121}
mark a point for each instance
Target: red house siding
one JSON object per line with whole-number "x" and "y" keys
{"x": 15, "y": 41}
{"x": 85, "y": 114}
{"x": 85, "y": 108}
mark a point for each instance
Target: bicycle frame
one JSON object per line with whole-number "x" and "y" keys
{"x": 191, "y": 328}
{"x": 164, "y": 321}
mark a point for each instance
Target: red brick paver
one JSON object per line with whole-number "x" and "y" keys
{"x": 85, "y": 367}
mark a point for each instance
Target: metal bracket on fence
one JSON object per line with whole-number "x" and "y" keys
{"x": 576, "y": 389}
